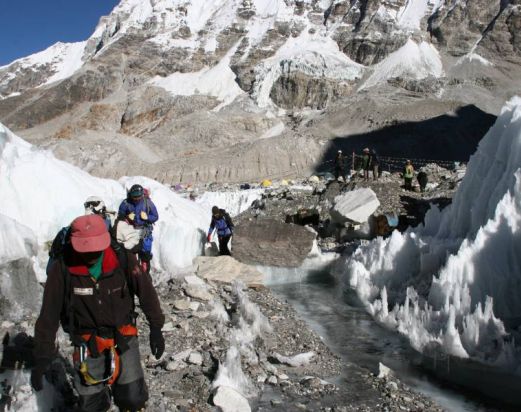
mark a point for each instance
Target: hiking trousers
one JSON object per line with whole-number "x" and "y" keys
{"x": 408, "y": 183}
{"x": 340, "y": 172}
{"x": 129, "y": 391}
{"x": 223, "y": 245}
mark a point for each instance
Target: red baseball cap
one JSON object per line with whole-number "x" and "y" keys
{"x": 89, "y": 234}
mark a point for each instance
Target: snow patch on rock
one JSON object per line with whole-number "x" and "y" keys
{"x": 315, "y": 55}
{"x": 63, "y": 59}
{"x": 217, "y": 81}
{"x": 412, "y": 60}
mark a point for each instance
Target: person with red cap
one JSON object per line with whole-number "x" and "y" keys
{"x": 90, "y": 290}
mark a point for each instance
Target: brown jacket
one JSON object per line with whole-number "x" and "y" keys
{"x": 107, "y": 303}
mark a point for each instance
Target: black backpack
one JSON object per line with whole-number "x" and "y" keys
{"x": 227, "y": 219}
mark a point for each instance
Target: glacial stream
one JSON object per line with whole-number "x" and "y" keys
{"x": 353, "y": 335}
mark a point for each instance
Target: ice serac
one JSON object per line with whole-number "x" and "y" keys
{"x": 453, "y": 283}
{"x": 234, "y": 202}
{"x": 41, "y": 194}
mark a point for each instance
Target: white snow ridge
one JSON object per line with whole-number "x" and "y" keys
{"x": 41, "y": 194}
{"x": 455, "y": 282}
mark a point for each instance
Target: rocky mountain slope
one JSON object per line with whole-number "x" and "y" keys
{"x": 230, "y": 90}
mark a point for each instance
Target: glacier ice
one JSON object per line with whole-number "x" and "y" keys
{"x": 455, "y": 282}
{"x": 40, "y": 194}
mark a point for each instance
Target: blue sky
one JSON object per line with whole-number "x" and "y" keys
{"x": 29, "y": 26}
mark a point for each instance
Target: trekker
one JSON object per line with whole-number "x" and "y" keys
{"x": 422, "y": 180}
{"x": 366, "y": 163}
{"x": 94, "y": 205}
{"x": 224, "y": 225}
{"x": 90, "y": 290}
{"x": 408, "y": 174}
{"x": 340, "y": 169}
{"x": 373, "y": 164}
{"x": 139, "y": 209}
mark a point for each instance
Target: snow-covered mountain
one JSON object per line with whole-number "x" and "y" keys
{"x": 321, "y": 38}
{"x": 153, "y": 69}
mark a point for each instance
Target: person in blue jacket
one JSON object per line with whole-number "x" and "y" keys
{"x": 139, "y": 209}
{"x": 222, "y": 222}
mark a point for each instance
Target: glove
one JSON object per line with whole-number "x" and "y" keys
{"x": 143, "y": 215}
{"x": 157, "y": 342}
{"x": 38, "y": 372}
{"x": 131, "y": 216}
{"x": 209, "y": 237}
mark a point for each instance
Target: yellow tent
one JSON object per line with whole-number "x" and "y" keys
{"x": 266, "y": 183}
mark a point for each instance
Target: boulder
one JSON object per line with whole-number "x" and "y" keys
{"x": 226, "y": 269}
{"x": 195, "y": 358}
{"x": 354, "y": 206}
{"x": 181, "y": 304}
{"x": 198, "y": 292}
{"x": 270, "y": 242}
{"x": 229, "y": 400}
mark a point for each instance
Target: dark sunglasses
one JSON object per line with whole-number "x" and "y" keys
{"x": 94, "y": 203}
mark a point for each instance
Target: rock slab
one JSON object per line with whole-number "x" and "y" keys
{"x": 229, "y": 400}
{"x": 226, "y": 269}
{"x": 270, "y": 242}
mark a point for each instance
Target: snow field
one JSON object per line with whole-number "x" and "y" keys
{"x": 453, "y": 282}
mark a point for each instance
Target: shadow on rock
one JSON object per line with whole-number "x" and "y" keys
{"x": 449, "y": 137}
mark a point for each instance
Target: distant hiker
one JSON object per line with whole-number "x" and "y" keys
{"x": 139, "y": 209}
{"x": 222, "y": 222}
{"x": 90, "y": 291}
{"x": 94, "y": 205}
{"x": 408, "y": 174}
{"x": 366, "y": 162}
{"x": 422, "y": 180}
{"x": 373, "y": 164}
{"x": 340, "y": 169}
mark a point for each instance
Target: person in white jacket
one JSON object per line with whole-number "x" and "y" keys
{"x": 127, "y": 235}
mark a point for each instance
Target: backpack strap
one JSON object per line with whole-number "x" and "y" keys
{"x": 147, "y": 205}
